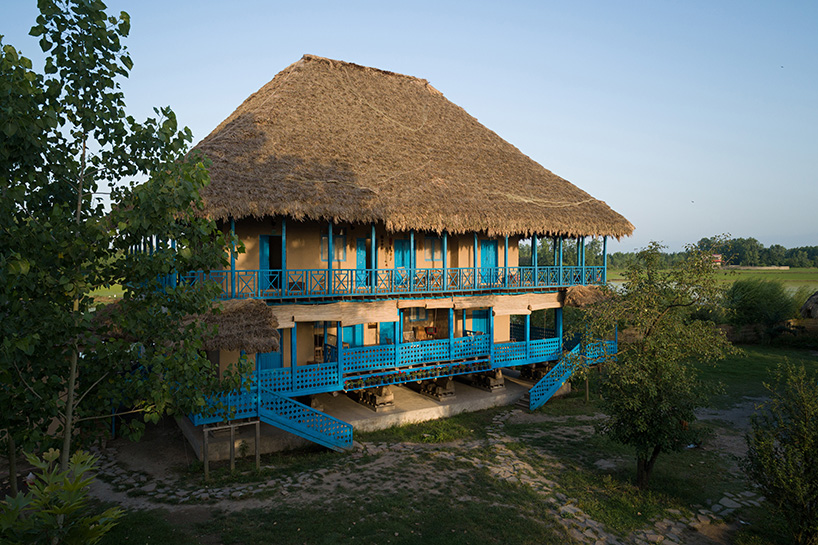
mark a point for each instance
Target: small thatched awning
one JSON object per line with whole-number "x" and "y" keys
{"x": 243, "y": 324}
{"x": 331, "y": 140}
{"x": 810, "y": 308}
{"x": 582, "y": 296}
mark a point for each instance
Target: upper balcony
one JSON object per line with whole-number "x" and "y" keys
{"x": 321, "y": 284}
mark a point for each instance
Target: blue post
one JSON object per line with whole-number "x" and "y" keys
{"x": 491, "y": 336}
{"x": 451, "y": 334}
{"x": 373, "y": 246}
{"x": 330, "y": 257}
{"x": 340, "y": 341}
{"x": 505, "y": 263}
{"x": 581, "y": 256}
{"x": 605, "y": 260}
{"x": 527, "y": 337}
{"x": 475, "y": 261}
{"x": 325, "y": 341}
{"x": 445, "y": 260}
{"x": 398, "y": 337}
{"x": 293, "y": 353}
{"x": 558, "y": 325}
{"x": 233, "y": 257}
{"x": 412, "y": 258}
{"x": 535, "y": 258}
{"x": 283, "y": 281}
{"x": 560, "y": 265}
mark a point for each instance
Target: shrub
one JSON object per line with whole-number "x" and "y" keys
{"x": 782, "y": 456}
{"x": 55, "y": 509}
{"x": 763, "y": 302}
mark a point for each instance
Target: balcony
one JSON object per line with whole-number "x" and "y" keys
{"x": 302, "y": 284}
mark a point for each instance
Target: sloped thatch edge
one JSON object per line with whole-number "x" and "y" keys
{"x": 583, "y": 296}
{"x": 243, "y": 324}
{"x": 810, "y": 308}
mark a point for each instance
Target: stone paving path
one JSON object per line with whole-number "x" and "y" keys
{"x": 503, "y": 463}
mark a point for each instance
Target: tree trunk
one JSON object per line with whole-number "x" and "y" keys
{"x": 12, "y": 466}
{"x": 644, "y": 467}
{"x": 65, "y": 455}
{"x": 586, "y": 389}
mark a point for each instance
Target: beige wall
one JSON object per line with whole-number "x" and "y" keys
{"x": 304, "y": 244}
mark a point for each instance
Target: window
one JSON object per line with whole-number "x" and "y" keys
{"x": 417, "y": 314}
{"x": 339, "y": 243}
{"x": 434, "y": 249}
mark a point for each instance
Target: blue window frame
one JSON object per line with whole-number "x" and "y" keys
{"x": 339, "y": 243}
{"x": 433, "y": 249}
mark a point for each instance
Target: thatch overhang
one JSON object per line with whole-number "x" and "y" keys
{"x": 331, "y": 140}
{"x": 243, "y": 324}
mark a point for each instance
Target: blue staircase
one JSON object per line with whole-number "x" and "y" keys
{"x": 304, "y": 421}
{"x": 570, "y": 360}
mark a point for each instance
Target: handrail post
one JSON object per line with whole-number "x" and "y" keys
{"x": 527, "y": 328}
{"x": 476, "y": 273}
{"x": 339, "y": 340}
{"x": 491, "y": 337}
{"x": 451, "y": 333}
{"x": 398, "y": 337}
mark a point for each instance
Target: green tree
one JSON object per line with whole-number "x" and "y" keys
{"x": 67, "y": 136}
{"x": 782, "y": 451}
{"x": 650, "y": 387}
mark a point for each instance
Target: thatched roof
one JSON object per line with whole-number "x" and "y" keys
{"x": 582, "y": 296}
{"x": 330, "y": 140}
{"x": 810, "y": 308}
{"x": 243, "y": 324}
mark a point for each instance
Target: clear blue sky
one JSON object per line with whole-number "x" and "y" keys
{"x": 690, "y": 118}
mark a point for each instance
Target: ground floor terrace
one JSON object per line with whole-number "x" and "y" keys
{"x": 425, "y": 347}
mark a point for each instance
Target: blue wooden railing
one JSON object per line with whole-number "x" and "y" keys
{"x": 323, "y": 283}
{"x": 568, "y": 363}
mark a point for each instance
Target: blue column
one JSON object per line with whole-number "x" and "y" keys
{"x": 560, "y": 265}
{"x": 340, "y": 341}
{"x": 451, "y": 334}
{"x": 330, "y": 257}
{"x": 233, "y": 257}
{"x": 293, "y": 353}
{"x": 535, "y": 257}
{"x": 399, "y": 337}
{"x": 283, "y": 254}
{"x": 581, "y": 256}
{"x": 445, "y": 250}
{"x": 558, "y": 325}
{"x": 412, "y": 256}
{"x": 475, "y": 261}
{"x": 527, "y": 337}
{"x": 373, "y": 249}
{"x": 325, "y": 341}
{"x": 491, "y": 336}
{"x": 505, "y": 263}
{"x": 605, "y": 260}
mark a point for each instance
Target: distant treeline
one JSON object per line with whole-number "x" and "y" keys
{"x": 745, "y": 252}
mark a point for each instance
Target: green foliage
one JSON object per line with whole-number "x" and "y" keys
{"x": 651, "y": 390}
{"x": 764, "y": 302}
{"x": 55, "y": 509}
{"x": 782, "y": 455}
{"x": 58, "y": 244}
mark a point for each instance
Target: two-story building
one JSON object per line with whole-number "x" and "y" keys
{"x": 383, "y": 224}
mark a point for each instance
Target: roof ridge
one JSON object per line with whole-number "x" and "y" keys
{"x": 308, "y": 57}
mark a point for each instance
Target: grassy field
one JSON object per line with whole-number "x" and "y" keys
{"x": 431, "y": 482}
{"x": 792, "y": 278}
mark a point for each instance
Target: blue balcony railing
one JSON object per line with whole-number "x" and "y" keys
{"x": 323, "y": 283}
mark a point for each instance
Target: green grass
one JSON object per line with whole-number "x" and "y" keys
{"x": 744, "y": 375}
{"x": 463, "y": 426}
{"x": 148, "y": 528}
{"x": 472, "y": 509}
{"x": 793, "y": 278}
